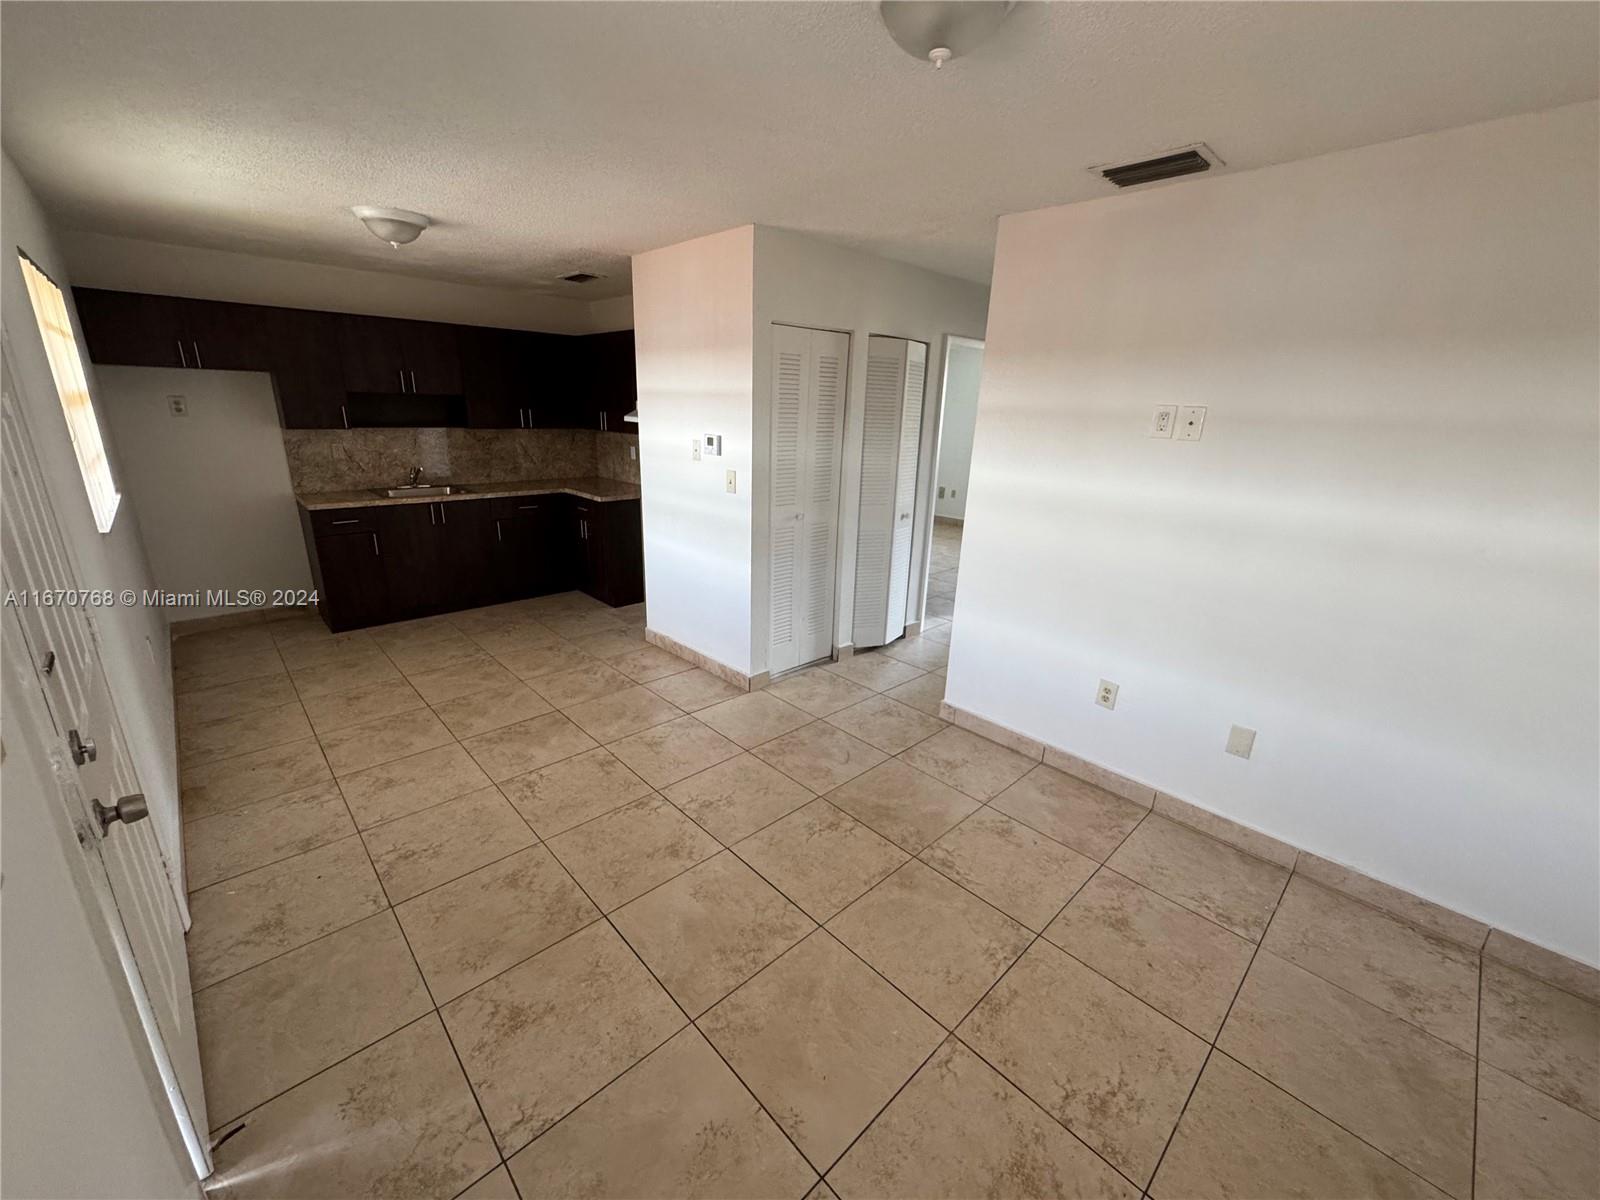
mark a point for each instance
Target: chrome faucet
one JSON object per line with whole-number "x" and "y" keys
{"x": 416, "y": 477}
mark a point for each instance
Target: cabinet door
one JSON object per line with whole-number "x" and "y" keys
{"x": 588, "y": 573}
{"x": 466, "y": 571}
{"x": 370, "y": 355}
{"x": 130, "y": 329}
{"x": 224, "y": 337}
{"x": 354, "y": 590}
{"x": 618, "y": 535}
{"x": 493, "y": 377}
{"x": 307, "y": 376}
{"x": 616, "y": 379}
{"x": 432, "y": 361}
{"x": 525, "y": 548}
{"x": 412, "y": 562}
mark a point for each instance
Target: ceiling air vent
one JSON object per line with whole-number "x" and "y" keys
{"x": 1187, "y": 161}
{"x": 579, "y": 277}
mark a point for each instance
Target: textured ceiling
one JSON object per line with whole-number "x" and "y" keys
{"x": 545, "y": 138}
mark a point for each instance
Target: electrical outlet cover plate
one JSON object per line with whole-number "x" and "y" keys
{"x": 1106, "y": 694}
{"x": 1191, "y": 420}
{"x": 1162, "y": 420}
{"x": 1241, "y": 741}
{"x": 733, "y": 481}
{"x": 695, "y": 446}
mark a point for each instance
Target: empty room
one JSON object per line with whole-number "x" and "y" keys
{"x": 501, "y": 699}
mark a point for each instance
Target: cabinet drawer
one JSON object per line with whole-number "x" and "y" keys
{"x": 343, "y": 520}
{"x": 511, "y": 506}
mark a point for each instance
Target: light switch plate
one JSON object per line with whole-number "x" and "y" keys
{"x": 1191, "y": 420}
{"x": 1241, "y": 741}
{"x": 1162, "y": 421}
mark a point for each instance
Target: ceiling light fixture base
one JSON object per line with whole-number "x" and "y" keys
{"x": 397, "y": 226}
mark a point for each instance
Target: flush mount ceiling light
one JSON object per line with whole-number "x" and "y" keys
{"x": 397, "y": 226}
{"x": 938, "y": 30}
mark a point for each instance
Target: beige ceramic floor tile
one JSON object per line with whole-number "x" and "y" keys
{"x": 579, "y": 624}
{"x": 820, "y": 756}
{"x": 693, "y": 690}
{"x": 1218, "y": 882}
{"x": 626, "y": 852}
{"x": 340, "y": 710}
{"x": 277, "y": 1024}
{"x": 737, "y": 797}
{"x": 543, "y": 1037}
{"x": 1430, "y": 982}
{"x": 496, "y": 1185}
{"x": 1110, "y": 1068}
{"x": 331, "y": 647}
{"x": 508, "y": 639}
{"x": 980, "y": 768}
{"x": 384, "y": 740}
{"x": 820, "y": 857}
{"x": 707, "y": 931}
{"x": 1089, "y": 819}
{"x": 649, "y": 662}
{"x": 935, "y": 941}
{"x": 214, "y": 787}
{"x": 419, "y": 631}
{"x": 345, "y": 674}
{"x": 527, "y": 745}
{"x": 495, "y": 708}
{"x": 1240, "y": 1136}
{"x": 1566, "y": 973}
{"x": 545, "y": 659}
{"x": 253, "y": 917}
{"x": 874, "y": 669}
{"x": 1530, "y": 1145}
{"x": 923, "y": 653}
{"x": 612, "y": 642}
{"x": 674, "y": 751}
{"x": 886, "y": 724}
{"x": 1174, "y": 960}
{"x": 212, "y": 644}
{"x": 393, "y": 789}
{"x": 925, "y": 693}
{"x": 1544, "y": 1036}
{"x": 754, "y": 717}
{"x": 395, "y": 1120}
{"x": 475, "y": 672}
{"x": 242, "y": 839}
{"x": 1383, "y": 1079}
{"x": 203, "y": 741}
{"x": 822, "y": 1042}
{"x": 472, "y": 928}
{"x": 904, "y": 805}
{"x": 959, "y": 1130}
{"x": 426, "y": 658}
{"x": 420, "y": 851}
{"x": 555, "y": 798}
{"x": 1019, "y": 871}
{"x": 611, "y": 718}
{"x": 677, "y": 1125}
{"x": 235, "y": 699}
{"x": 819, "y": 691}
{"x": 214, "y": 672}
{"x": 563, "y": 689}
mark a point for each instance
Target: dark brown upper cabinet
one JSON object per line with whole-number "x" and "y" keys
{"x": 136, "y": 330}
{"x": 383, "y": 355}
{"x": 611, "y": 378}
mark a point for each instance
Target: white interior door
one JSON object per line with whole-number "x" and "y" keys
{"x": 93, "y": 765}
{"x": 891, "y": 432}
{"x": 809, "y": 373}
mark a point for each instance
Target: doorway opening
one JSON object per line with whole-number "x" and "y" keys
{"x": 958, "y": 418}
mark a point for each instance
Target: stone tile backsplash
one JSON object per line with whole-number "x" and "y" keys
{"x": 332, "y": 460}
{"x": 612, "y": 460}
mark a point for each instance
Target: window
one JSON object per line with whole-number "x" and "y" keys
{"x": 66, "y": 365}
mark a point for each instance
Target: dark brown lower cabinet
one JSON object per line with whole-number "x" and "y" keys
{"x": 385, "y": 563}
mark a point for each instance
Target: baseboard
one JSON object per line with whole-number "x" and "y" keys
{"x": 1556, "y": 969}
{"x": 704, "y": 661}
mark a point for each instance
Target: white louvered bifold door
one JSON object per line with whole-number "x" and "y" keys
{"x": 880, "y": 456}
{"x": 809, "y": 374}
{"x": 905, "y": 489}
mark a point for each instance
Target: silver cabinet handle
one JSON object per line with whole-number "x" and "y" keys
{"x": 198, "y": 364}
{"x": 402, "y": 381}
{"x": 441, "y": 514}
{"x": 498, "y": 535}
{"x": 347, "y": 521}
{"x": 183, "y": 359}
{"x": 413, "y": 383}
{"x": 345, "y": 416}
{"x": 522, "y": 418}
{"x": 433, "y": 518}
{"x": 376, "y": 553}
{"x": 128, "y": 810}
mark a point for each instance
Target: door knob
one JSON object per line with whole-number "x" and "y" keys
{"x": 127, "y": 810}
{"x": 82, "y": 748}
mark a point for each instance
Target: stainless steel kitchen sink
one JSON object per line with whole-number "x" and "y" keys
{"x": 420, "y": 489}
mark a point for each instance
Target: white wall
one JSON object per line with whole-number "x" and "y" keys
{"x": 129, "y": 264}
{"x": 801, "y": 280}
{"x": 962, "y": 372}
{"x": 693, "y": 304}
{"x": 133, "y": 640}
{"x": 1382, "y": 555}
{"x": 211, "y": 488}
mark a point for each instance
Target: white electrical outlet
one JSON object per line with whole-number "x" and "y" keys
{"x": 1241, "y": 741}
{"x": 633, "y": 453}
{"x": 1162, "y": 421}
{"x": 178, "y": 406}
{"x": 1191, "y": 420}
{"x": 733, "y": 481}
{"x": 695, "y": 446}
{"x": 1106, "y": 694}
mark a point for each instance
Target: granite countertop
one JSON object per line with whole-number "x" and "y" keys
{"x": 588, "y": 487}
